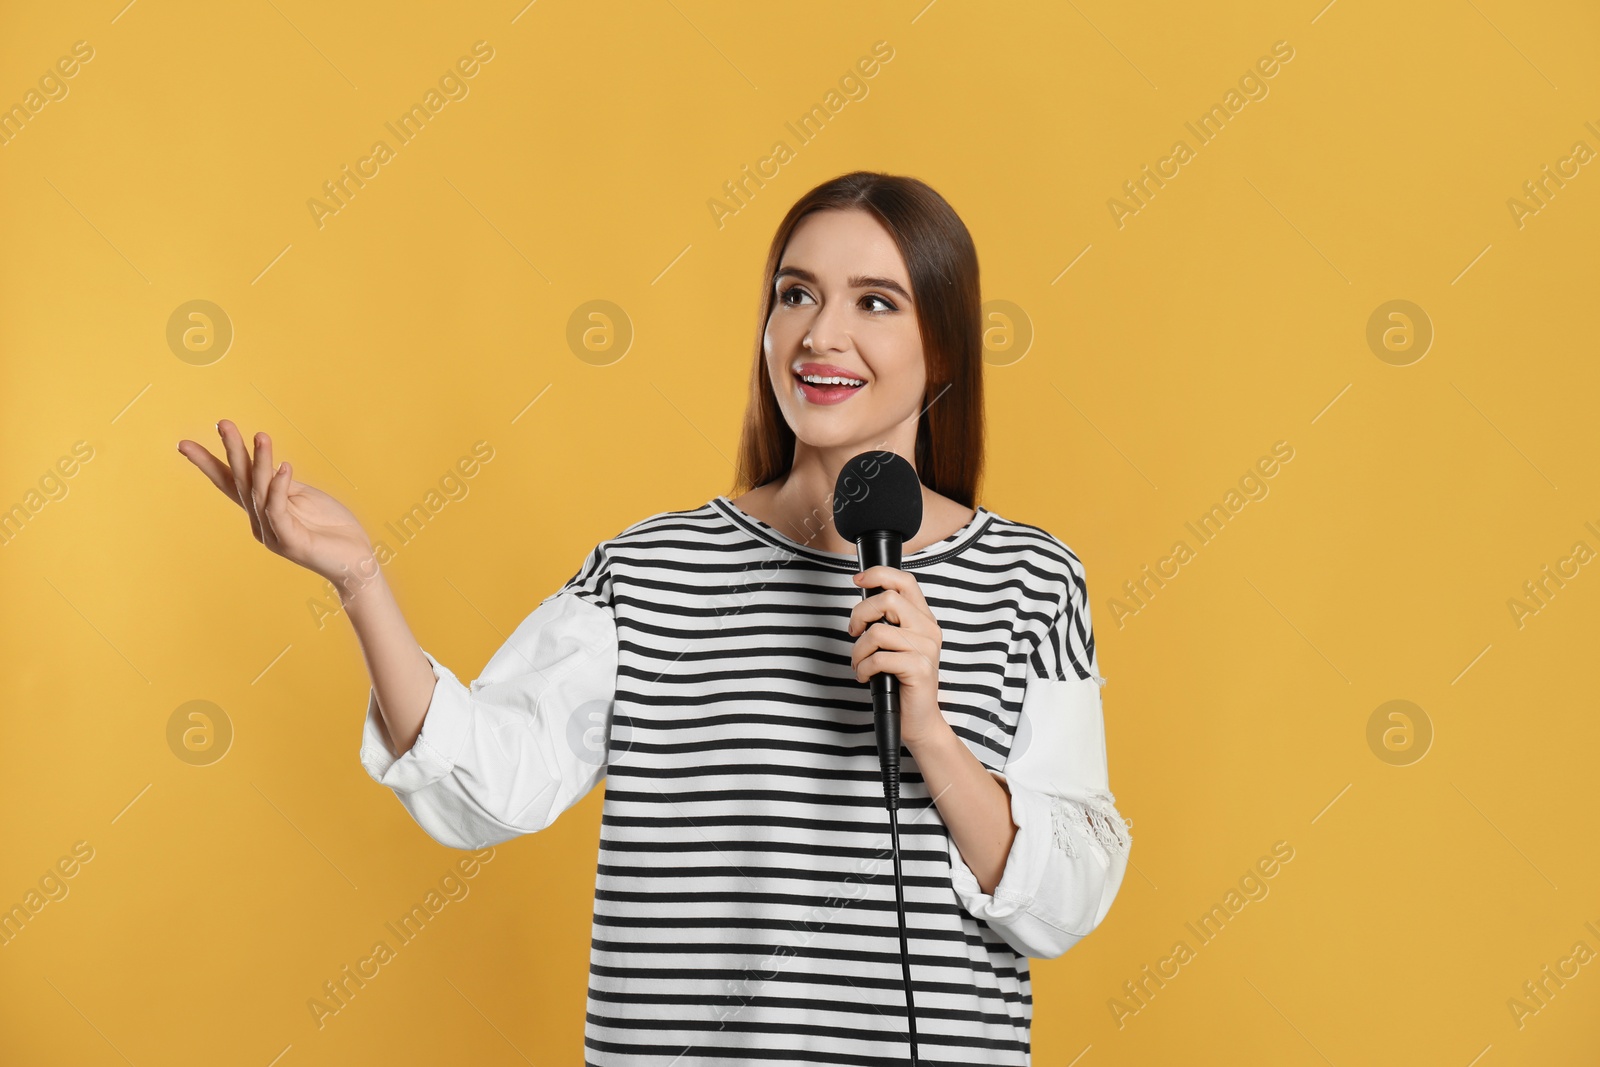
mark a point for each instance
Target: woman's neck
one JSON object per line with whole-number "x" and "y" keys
{"x": 800, "y": 505}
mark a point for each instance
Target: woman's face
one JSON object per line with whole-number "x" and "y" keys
{"x": 842, "y": 308}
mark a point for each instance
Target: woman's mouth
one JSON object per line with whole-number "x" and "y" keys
{"x": 828, "y": 388}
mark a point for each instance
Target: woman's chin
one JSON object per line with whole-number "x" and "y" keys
{"x": 824, "y": 432}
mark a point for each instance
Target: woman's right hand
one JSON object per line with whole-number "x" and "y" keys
{"x": 297, "y": 521}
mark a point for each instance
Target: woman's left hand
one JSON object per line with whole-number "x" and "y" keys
{"x": 908, "y": 649}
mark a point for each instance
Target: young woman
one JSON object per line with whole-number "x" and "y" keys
{"x": 710, "y": 664}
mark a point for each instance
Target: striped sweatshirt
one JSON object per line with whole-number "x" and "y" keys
{"x": 744, "y": 907}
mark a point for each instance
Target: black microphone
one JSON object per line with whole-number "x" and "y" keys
{"x": 878, "y": 505}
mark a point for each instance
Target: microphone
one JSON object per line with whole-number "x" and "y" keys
{"x": 878, "y": 505}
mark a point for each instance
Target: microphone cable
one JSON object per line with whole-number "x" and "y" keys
{"x": 889, "y": 761}
{"x": 878, "y": 505}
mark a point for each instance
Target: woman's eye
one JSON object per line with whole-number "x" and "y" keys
{"x": 870, "y": 298}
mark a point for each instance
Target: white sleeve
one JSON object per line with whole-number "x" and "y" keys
{"x": 524, "y": 742}
{"x": 1071, "y": 847}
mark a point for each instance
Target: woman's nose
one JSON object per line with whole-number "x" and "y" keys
{"x": 826, "y": 333}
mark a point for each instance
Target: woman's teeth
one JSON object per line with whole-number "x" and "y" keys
{"x": 817, "y": 379}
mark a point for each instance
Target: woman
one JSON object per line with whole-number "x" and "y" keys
{"x": 710, "y": 665}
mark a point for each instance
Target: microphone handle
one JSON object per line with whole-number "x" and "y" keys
{"x": 881, "y": 548}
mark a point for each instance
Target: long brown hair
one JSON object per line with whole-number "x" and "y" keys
{"x": 939, "y": 253}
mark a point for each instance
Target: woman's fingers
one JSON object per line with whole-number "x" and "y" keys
{"x": 252, "y": 482}
{"x": 276, "y": 511}
{"x": 912, "y": 631}
{"x": 894, "y": 578}
{"x": 211, "y": 466}
{"x": 239, "y": 461}
{"x": 889, "y": 642}
{"x": 260, "y": 481}
{"x": 893, "y": 607}
{"x": 886, "y": 606}
{"x": 886, "y": 639}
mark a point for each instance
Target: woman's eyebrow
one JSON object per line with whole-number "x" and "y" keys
{"x": 857, "y": 282}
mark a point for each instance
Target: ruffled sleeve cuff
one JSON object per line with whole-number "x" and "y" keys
{"x": 444, "y": 731}
{"x": 1065, "y": 866}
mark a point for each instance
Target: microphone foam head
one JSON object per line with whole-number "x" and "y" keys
{"x": 877, "y": 490}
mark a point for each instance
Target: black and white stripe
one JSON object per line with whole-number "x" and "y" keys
{"x": 744, "y": 900}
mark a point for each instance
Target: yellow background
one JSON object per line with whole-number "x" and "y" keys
{"x": 1228, "y": 314}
